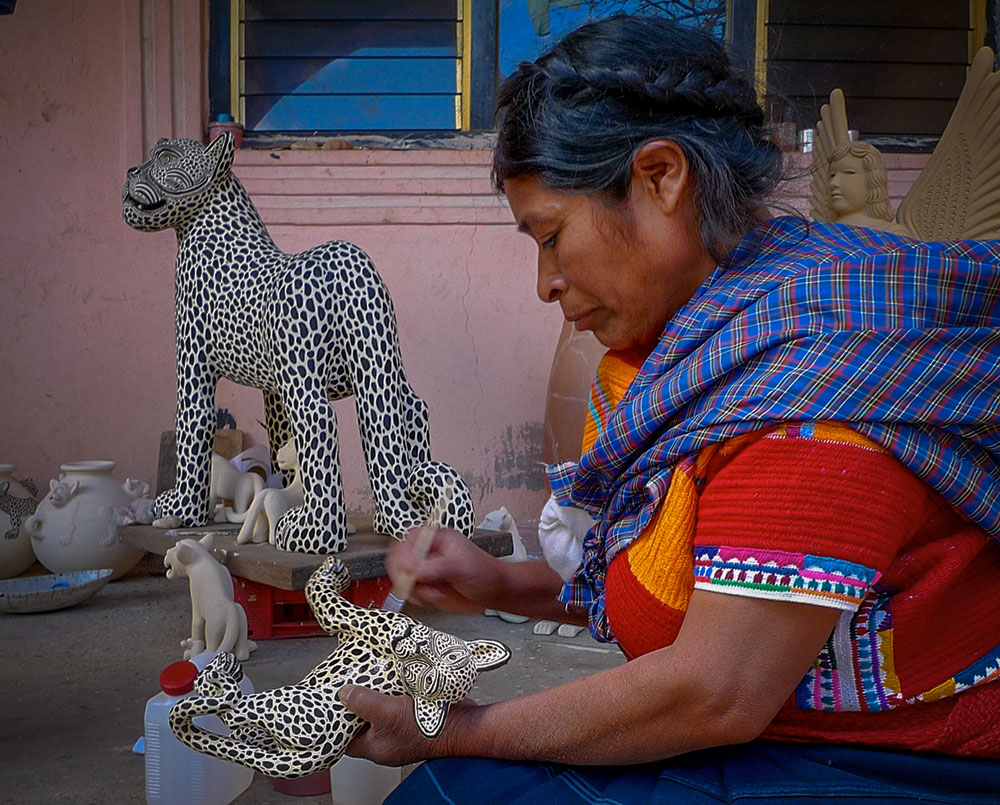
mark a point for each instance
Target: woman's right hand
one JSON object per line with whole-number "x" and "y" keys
{"x": 455, "y": 576}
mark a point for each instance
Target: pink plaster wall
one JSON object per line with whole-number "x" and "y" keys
{"x": 87, "y": 326}
{"x": 87, "y": 368}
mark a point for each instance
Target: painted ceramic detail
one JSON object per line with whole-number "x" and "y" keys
{"x": 956, "y": 196}
{"x": 218, "y": 623}
{"x": 280, "y": 733}
{"x": 17, "y": 503}
{"x": 306, "y": 329}
{"x": 74, "y": 527}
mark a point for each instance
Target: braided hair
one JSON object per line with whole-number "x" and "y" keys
{"x": 576, "y": 117}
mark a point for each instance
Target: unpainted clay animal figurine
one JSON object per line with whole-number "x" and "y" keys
{"x": 218, "y": 623}
{"x": 268, "y": 505}
{"x": 304, "y": 728}
{"x": 228, "y": 483}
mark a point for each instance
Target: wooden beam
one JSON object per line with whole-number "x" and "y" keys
{"x": 364, "y": 556}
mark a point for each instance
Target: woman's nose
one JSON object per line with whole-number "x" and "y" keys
{"x": 551, "y": 283}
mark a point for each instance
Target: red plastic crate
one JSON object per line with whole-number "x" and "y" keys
{"x": 273, "y": 613}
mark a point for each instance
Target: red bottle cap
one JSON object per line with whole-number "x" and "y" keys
{"x": 178, "y": 678}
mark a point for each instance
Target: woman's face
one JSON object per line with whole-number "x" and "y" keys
{"x": 624, "y": 281}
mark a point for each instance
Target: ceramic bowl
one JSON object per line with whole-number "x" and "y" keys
{"x": 57, "y": 591}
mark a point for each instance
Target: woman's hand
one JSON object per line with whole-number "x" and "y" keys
{"x": 455, "y": 576}
{"x": 391, "y": 737}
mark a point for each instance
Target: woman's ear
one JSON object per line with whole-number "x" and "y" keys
{"x": 660, "y": 171}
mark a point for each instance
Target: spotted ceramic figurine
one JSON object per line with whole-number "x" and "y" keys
{"x": 300, "y": 729}
{"x": 306, "y": 329}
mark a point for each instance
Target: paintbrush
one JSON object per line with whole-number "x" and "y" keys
{"x": 402, "y": 588}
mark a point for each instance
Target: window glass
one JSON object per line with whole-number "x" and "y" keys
{"x": 315, "y": 65}
{"x": 530, "y": 27}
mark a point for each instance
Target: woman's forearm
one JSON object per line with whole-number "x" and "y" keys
{"x": 633, "y": 713}
{"x": 734, "y": 663}
{"x": 531, "y": 588}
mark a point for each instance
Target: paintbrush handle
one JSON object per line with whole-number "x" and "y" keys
{"x": 404, "y": 584}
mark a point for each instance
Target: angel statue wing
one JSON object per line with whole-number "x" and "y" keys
{"x": 831, "y": 130}
{"x": 957, "y": 196}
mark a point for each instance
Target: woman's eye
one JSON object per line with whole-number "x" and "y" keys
{"x": 550, "y": 243}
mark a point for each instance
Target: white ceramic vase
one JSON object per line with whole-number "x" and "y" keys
{"x": 17, "y": 503}
{"x": 74, "y": 527}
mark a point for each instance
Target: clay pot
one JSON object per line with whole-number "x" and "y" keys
{"x": 573, "y": 367}
{"x": 74, "y": 527}
{"x": 17, "y": 503}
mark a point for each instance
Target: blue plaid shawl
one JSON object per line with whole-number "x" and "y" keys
{"x": 806, "y": 322}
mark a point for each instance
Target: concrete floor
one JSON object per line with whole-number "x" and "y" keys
{"x": 76, "y": 681}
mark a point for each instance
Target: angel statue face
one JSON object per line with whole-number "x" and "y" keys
{"x": 859, "y": 188}
{"x": 848, "y": 185}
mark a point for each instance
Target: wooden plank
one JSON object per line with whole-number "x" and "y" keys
{"x": 878, "y": 44}
{"x": 883, "y": 116}
{"x": 867, "y": 79}
{"x": 265, "y": 564}
{"x": 908, "y": 13}
{"x": 349, "y": 9}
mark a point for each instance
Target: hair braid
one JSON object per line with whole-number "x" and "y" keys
{"x": 577, "y": 116}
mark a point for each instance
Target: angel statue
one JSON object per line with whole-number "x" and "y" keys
{"x": 956, "y": 196}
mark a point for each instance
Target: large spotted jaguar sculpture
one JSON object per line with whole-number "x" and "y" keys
{"x": 300, "y": 729}
{"x": 306, "y": 329}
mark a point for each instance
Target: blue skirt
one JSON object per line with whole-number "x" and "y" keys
{"x": 753, "y": 773}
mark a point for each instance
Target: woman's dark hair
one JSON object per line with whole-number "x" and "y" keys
{"x": 576, "y": 117}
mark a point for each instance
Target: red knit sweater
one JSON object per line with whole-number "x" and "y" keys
{"x": 816, "y": 513}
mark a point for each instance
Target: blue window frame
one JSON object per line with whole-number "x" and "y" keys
{"x": 390, "y": 66}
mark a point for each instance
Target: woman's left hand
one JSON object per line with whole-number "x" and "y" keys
{"x": 392, "y": 737}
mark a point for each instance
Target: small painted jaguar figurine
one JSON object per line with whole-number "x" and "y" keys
{"x": 304, "y": 728}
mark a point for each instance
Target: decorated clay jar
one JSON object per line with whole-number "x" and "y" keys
{"x": 74, "y": 527}
{"x": 17, "y": 503}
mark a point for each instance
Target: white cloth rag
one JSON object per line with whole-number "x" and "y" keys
{"x": 561, "y": 530}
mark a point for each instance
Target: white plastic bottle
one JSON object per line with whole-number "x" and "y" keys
{"x": 356, "y": 781}
{"x": 175, "y": 773}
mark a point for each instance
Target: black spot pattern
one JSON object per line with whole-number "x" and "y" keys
{"x": 299, "y": 729}
{"x": 306, "y": 329}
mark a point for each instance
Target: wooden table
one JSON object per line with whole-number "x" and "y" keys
{"x": 364, "y": 556}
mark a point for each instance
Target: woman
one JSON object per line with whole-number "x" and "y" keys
{"x": 793, "y": 463}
